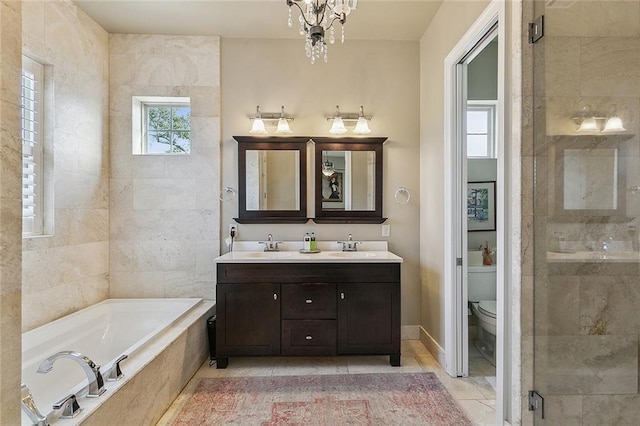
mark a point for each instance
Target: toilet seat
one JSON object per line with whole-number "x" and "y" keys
{"x": 488, "y": 307}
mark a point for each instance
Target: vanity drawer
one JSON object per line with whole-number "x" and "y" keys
{"x": 308, "y": 301}
{"x": 308, "y": 337}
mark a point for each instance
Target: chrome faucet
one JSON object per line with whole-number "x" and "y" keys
{"x": 349, "y": 245}
{"x": 270, "y": 245}
{"x": 29, "y": 407}
{"x": 96, "y": 384}
{"x": 69, "y": 407}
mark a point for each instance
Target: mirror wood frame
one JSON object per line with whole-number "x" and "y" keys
{"x": 348, "y": 144}
{"x": 560, "y": 143}
{"x": 268, "y": 143}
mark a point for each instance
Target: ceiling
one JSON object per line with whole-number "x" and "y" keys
{"x": 373, "y": 20}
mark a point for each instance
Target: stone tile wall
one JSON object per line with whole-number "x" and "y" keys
{"x": 68, "y": 270}
{"x": 10, "y": 212}
{"x": 164, "y": 209}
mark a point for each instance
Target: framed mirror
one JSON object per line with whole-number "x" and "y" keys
{"x": 348, "y": 180}
{"x": 589, "y": 175}
{"x": 272, "y": 179}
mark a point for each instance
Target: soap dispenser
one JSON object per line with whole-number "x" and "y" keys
{"x": 306, "y": 242}
{"x": 313, "y": 245}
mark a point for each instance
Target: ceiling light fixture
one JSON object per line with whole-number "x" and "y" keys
{"x": 327, "y": 167}
{"x": 316, "y": 17}
{"x": 338, "y": 120}
{"x": 258, "y": 126}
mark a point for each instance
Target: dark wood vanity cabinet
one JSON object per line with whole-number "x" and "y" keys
{"x": 248, "y": 319}
{"x": 308, "y": 309}
{"x": 369, "y": 319}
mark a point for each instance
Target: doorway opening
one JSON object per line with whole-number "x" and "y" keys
{"x": 475, "y": 178}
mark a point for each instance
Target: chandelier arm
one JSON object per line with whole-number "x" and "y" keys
{"x": 290, "y": 3}
{"x": 333, "y": 20}
{"x": 324, "y": 12}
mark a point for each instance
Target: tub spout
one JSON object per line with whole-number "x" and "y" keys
{"x": 29, "y": 407}
{"x": 96, "y": 384}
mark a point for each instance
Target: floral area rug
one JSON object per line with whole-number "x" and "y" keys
{"x": 318, "y": 400}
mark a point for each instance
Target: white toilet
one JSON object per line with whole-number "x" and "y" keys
{"x": 482, "y": 296}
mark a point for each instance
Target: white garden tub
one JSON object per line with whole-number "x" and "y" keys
{"x": 102, "y": 332}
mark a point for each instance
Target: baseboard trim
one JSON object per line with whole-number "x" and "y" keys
{"x": 410, "y": 332}
{"x": 433, "y": 347}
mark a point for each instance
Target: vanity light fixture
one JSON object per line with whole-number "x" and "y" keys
{"x": 614, "y": 122}
{"x": 590, "y": 122}
{"x": 258, "y": 126}
{"x": 338, "y": 120}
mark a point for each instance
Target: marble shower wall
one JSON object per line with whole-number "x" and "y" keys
{"x": 586, "y": 321}
{"x": 10, "y": 212}
{"x": 164, "y": 209}
{"x": 68, "y": 270}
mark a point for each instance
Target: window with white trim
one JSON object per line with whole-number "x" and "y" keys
{"x": 481, "y": 129}
{"x": 161, "y": 125}
{"x": 32, "y": 147}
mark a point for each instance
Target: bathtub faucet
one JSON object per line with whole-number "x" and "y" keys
{"x": 96, "y": 384}
{"x": 29, "y": 407}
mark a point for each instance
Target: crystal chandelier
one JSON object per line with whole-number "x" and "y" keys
{"x": 316, "y": 17}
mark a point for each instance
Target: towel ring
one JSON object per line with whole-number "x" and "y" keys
{"x": 402, "y": 195}
{"x": 227, "y": 194}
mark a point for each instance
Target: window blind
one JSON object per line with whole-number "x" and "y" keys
{"x": 32, "y": 210}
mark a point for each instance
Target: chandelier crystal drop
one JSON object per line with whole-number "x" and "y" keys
{"x": 316, "y": 17}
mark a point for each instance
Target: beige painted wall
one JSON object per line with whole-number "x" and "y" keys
{"x": 164, "y": 209}
{"x": 448, "y": 26}
{"x": 10, "y": 213}
{"x": 71, "y": 266}
{"x": 383, "y": 76}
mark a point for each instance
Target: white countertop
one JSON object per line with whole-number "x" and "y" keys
{"x": 252, "y": 252}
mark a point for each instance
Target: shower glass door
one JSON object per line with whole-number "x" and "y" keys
{"x": 586, "y": 211}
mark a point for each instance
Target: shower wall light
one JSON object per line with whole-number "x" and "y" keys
{"x": 258, "y": 126}
{"x": 339, "y": 119}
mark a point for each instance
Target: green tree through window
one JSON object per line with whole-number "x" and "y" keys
{"x": 168, "y": 129}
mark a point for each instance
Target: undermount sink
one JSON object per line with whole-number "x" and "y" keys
{"x": 268, "y": 254}
{"x": 353, "y": 254}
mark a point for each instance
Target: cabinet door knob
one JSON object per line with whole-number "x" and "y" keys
{"x": 275, "y": 296}
{"x": 309, "y": 337}
{"x": 342, "y": 296}
{"x": 309, "y": 301}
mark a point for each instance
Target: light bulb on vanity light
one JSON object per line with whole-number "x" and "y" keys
{"x": 337, "y": 128}
{"x": 257, "y": 128}
{"x": 283, "y": 125}
{"x": 588, "y": 123}
{"x": 614, "y": 122}
{"x": 362, "y": 126}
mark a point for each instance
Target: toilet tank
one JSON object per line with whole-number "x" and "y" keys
{"x": 481, "y": 283}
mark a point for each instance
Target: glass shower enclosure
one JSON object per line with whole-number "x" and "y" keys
{"x": 585, "y": 164}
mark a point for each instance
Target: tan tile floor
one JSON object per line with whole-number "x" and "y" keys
{"x": 475, "y": 394}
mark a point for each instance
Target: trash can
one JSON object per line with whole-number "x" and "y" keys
{"x": 211, "y": 331}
